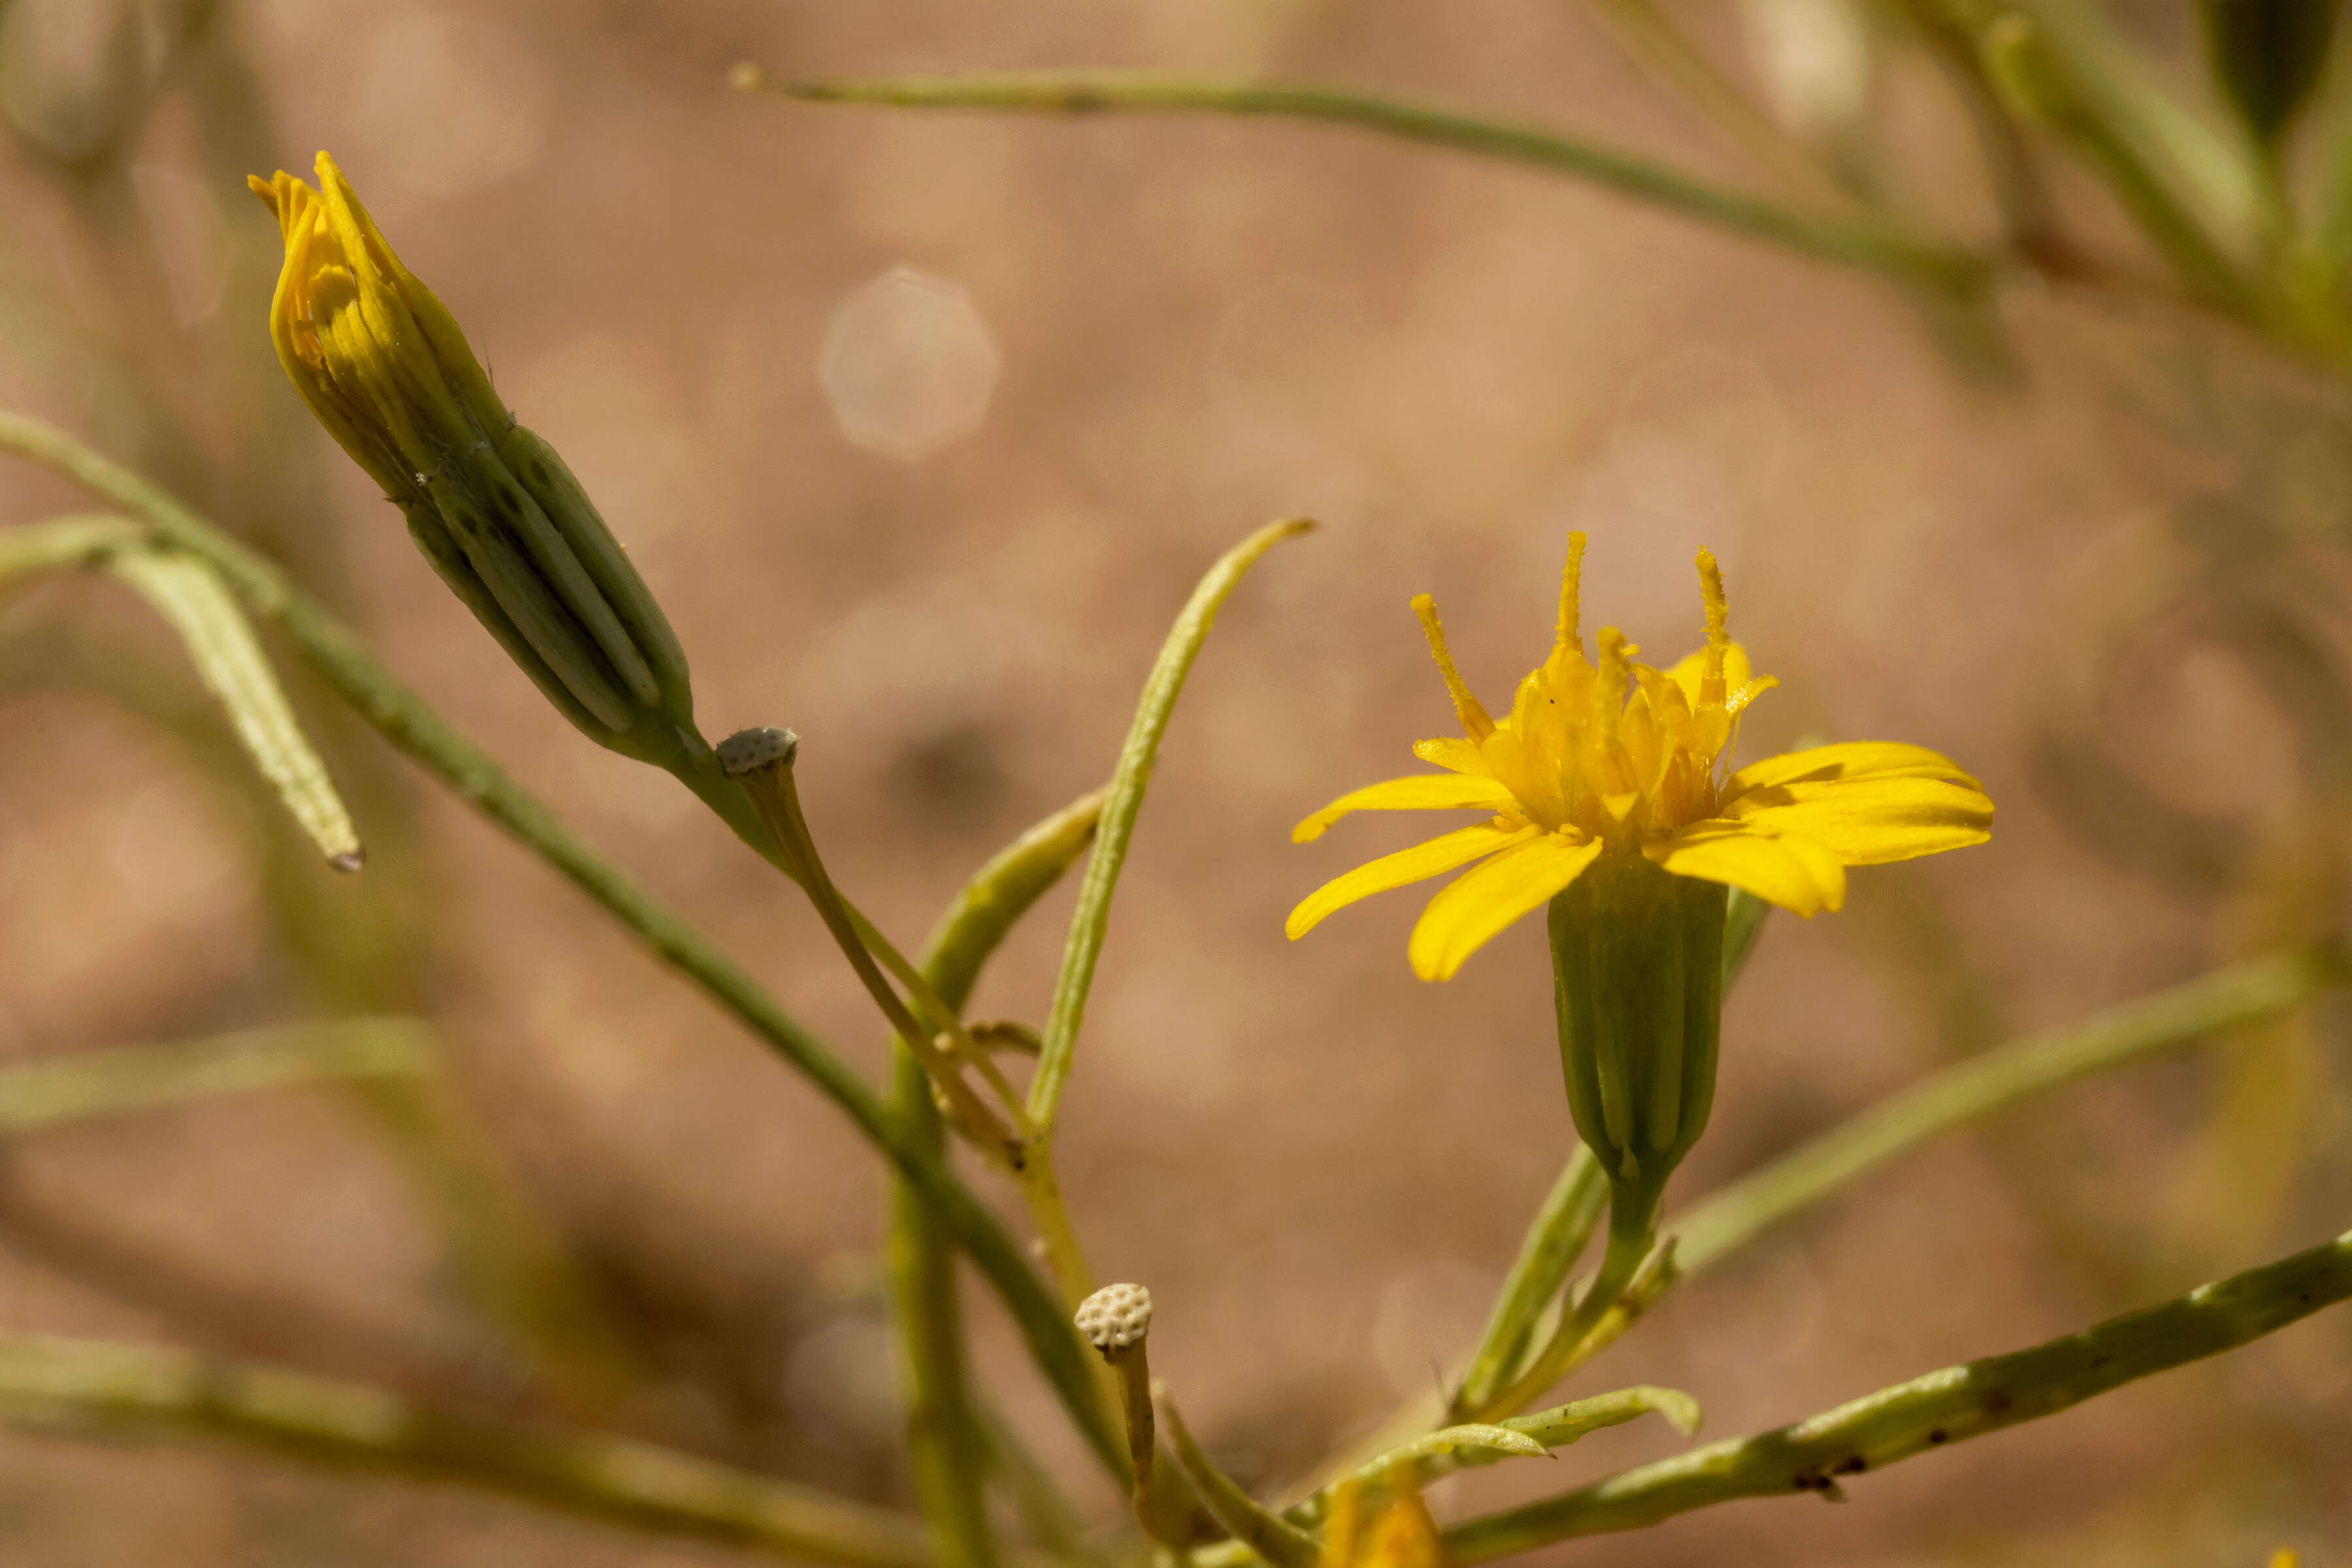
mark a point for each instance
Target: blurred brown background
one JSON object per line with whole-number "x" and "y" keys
{"x": 921, "y": 426}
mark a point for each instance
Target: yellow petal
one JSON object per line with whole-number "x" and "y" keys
{"x": 1453, "y": 752}
{"x": 1737, "y": 672}
{"x": 1870, "y": 821}
{"x": 1417, "y": 792}
{"x": 1792, "y": 870}
{"x": 1423, "y": 860}
{"x": 1467, "y": 915}
{"x": 1849, "y": 760}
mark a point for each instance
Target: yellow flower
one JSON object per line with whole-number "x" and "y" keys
{"x": 1615, "y": 758}
{"x": 378, "y": 358}
{"x": 1380, "y": 1524}
{"x": 385, "y": 368}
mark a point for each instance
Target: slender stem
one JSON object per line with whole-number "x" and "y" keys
{"x": 948, "y": 1443}
{"x": 1931, "y": 1411}
{"x": 1869, "y": 244}
{"x": 2225, "y": 999}
{"x": 1091, "y": 919}
{"x": 775, "y": 794}
{"x": 410, "y": 724}
{"x": 1265, "y": 1532}
{"x": 79, "y": 1383}
{"x": 1065, "y": 1259}
{"x": 1629, "y": 1246}
{"x": 53, "y": 1092}
{"x": 1562, "y": 1228}
{"x": 1653, "y": 36}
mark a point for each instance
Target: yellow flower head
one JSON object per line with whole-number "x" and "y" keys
{"x": 1380, "y": 1524}
{"x": 385, "y": 368}
{"x": 1611, "y": 757}
{"x": 380, "y": 361}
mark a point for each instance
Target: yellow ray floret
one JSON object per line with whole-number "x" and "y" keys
{"x": 1608, "y": 756}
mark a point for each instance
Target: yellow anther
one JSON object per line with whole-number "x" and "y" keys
{"x": 1570, "y": 634}
{"x": 1718, "y": 624}
{"x": 1474, "y": 721}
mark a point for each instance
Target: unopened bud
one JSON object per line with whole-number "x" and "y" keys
{"x": 385, "y": 368}
{"x": 1115, "y": 1317}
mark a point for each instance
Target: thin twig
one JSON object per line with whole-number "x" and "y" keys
{"x": 101, "y": 1387}
{"x": 410, "y": 723}
{"x": 1870, "y": 244}
{"x": 1931, "y": 1411}
{"x": 2227, "y": 998}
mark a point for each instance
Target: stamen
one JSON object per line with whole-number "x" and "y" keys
{"x": 1569, "y": 634}
{"x": 1474, "y": 721}
{"x": 1719, "y": 636}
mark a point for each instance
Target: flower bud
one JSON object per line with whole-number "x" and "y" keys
{"x": 1637, "y": 965}
{"x": 384, "y": 367}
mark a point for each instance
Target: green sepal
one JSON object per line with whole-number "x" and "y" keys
{"x": 1637, "y": 968}
{"x": 2266, "y": 56}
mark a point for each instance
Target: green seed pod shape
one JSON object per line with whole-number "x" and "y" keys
{"x": 2267, "y": 55}
{"x": 1637, "y": 965}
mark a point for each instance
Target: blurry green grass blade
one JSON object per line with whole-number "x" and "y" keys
{"x": 86, "y": 1086}
{"x": 229, "y": 661}
{"x": 1931, "y": 1411}
{"x": 410, "y": 723}
{"x": 85, "y": 1386}
{"x": 948, "y": 1446}
{"x": 82, "y": 539}
{"x": 220, "y": 643}
{"x": 2224, "y": 999}
{"x": 1120, "y": 808}
{"x": 2044, "y": 82}
{"x": 1867, "y": 243}
{"x": 2126, "y": 88}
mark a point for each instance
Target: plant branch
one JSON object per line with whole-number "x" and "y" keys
{"x": 1930, "y": 1412}
{"x": 947, "y": 1441}
{"x": 1868, "y": 243}
{"x": 2227, "y": 998}
{"x": 411, "y": 725}
{"x": 106, "y": 1387}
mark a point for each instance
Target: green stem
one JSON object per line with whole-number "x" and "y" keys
{"x": 1265, "y": 1532}
{"x": 948, "y": 1443}
{"x": 2227, "y": 998}
{"x": 1633, "y": 1231}
{"x": 1931, "y": 1411}
{"x": 77, "y": 1384}
{"x": 1871, "y": 245}
{"x": 1652, "y": 35}
{"x": 1562, "y": 1228}
{"x": 1091, "y": 920}
{"x": 85, "y": 1084}
{"x": 405, "y": 719}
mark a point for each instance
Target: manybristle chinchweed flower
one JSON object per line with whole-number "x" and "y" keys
{"x": 1606, "y": 796}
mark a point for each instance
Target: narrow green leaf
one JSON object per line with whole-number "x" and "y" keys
{"x": 1133, "y": 776}
{"x": 229, "y": 661}
{"x": 1865, "y": 242}
{"x": 84, "y": 1085}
